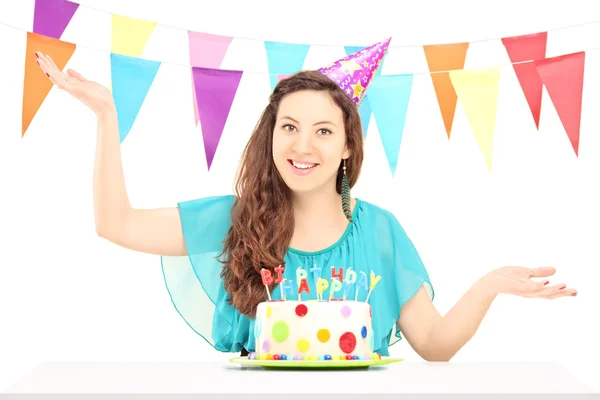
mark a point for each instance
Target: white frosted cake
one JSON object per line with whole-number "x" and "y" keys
{"x": 313, "y": 330}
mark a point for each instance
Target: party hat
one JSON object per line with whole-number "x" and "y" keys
{"x": 355, "y": 72}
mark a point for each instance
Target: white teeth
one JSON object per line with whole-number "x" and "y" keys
{"x": 302, "y": 166}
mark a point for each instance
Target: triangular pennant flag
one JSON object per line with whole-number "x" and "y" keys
{"x": 215, "y": 92}
{"x": 284, "y": 59}
{"x": 528, "y": 48}
{"x": 131, "y": 80}
{"x": 51, "y": 17}
{"x": 563, "y": 78}
{"x": 206, "y": 50}
{"x": 478, "y": 94}
{"x": 445, "y": 57}
{"x": 389, "y": 96}
{"x": 36, "y": 85}
{"x": 364, "y": 108}
{"x": 130, "y": 35}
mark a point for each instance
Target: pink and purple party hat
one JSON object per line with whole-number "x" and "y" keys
{"x": 355, "y": 72}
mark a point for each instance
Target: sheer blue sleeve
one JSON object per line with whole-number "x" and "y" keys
{"x": 396, "y": 259}
{"x": 194, "y": 282}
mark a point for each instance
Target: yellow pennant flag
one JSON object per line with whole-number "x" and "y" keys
{"x": 477, "y": 91}
{"x": 130, "y": 35}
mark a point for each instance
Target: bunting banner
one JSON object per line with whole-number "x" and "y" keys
{"x": 526, "y": 48}
{"x": 389, "y": 96}
{"x": 36, "y": 85}
{"x": 131, "y": 80}
{"x": 214, "y": 89}
{"x": 563, "y": 78}
{"x": 51, "y": 17}
{"x": 207, "y": 51}
{"x": 440, "y": 59}
{"x": 478, "y": 94}
{"x": 284, "y": 59}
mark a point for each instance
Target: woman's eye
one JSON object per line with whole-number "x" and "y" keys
{"x": 325, "y": 131}
{"x": 285, "y": 127}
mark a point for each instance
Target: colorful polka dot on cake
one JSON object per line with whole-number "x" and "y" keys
{"x": 346, "y": 311}
{"x": 303, "y": 345}
{"x": 280, "y": 331}
{"x": 301, "y": 310}
{"x": 323, "y": 335}
{"x": 363, "y": 332}
{"x": 269, "y": 311}
{"x": 348, "y": 342}
{"x": 266, "y": 346}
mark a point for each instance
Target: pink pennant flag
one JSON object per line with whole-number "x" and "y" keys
{"x": 215, "y": 91}
{"x": 51, "y": 17}
{"x": 208, "y": 51}
{"x": 563, "y": 78}
{"x": 528, "y": 48}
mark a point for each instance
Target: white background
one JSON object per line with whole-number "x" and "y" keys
{"x": 66, "y": 294}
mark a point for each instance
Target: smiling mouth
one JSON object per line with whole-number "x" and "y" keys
{"x": 301, "y": 165}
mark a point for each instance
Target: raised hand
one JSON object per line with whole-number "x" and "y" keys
{"x": 97, "y": 97}
{"x": 518, "y": 281}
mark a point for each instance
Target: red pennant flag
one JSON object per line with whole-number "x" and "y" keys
{"x": 36, "y": 85}
{"x": 528, "y": 48}
{"x": 563, "y": 78}
{"x": 215, "y": 92}
{"x": 445, "y": 57}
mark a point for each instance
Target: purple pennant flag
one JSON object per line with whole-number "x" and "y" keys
{"x": 51, "y": 17}
{"x": 215, "y": 91}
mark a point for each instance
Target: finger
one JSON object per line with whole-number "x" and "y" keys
{"x": 76, "y": 75}
{"x": 554, "y": 291}
{"x": 541, "y": 272}
{"x": 60, "y": 79}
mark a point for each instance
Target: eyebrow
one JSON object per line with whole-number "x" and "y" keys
{"x": 316, "y": 123}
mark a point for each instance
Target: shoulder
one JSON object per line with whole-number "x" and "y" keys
{"x": 377, "y": 213}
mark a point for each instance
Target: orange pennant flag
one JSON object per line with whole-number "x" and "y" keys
{"x": 563, "y": 78}
{"x": 445, "y": 57}
{"x": 36, "y": 85}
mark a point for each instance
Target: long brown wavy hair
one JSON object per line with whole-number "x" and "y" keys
{"x": 262, "y": 214}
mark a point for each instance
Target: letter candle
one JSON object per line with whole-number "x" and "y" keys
{"x": 349, "y": 280}
{"x": 267, "y": 279}
{"x": 374, "y": 281}
{"x": 362, "y": 281}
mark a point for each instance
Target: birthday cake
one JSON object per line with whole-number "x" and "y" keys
{"x": 321, "y": 329}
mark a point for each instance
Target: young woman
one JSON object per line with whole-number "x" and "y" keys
{"x": 291, "y": 207}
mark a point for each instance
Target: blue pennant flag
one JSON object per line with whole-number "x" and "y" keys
{"x": 389, "y": 96}
{"x": 284, "y": 59}
{"x": 131, "y": 80}
{"x": 365, "y": 107}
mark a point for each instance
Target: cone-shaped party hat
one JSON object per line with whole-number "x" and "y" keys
{"x": 355, "y": 72}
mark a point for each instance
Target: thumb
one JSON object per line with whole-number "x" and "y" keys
{"x": 76, "y": 75}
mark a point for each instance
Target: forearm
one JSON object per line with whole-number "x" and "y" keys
{"x": 111, "y": 203}
{"x": 450, "y": 333}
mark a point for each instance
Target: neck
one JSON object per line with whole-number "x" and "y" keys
{"x": 318, "y": 207}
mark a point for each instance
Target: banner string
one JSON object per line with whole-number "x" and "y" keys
{"x": 559, "y": 28}
{"x": 188, "y": 66}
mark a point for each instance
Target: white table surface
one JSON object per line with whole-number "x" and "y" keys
{"x": 217, "y": 377}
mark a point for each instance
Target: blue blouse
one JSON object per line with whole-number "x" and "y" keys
{"x": 373, "y": 241}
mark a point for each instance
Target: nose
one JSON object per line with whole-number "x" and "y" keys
{"x": 303, "y": 143}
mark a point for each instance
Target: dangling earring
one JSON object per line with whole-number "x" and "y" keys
{"x": 346, "y": 195}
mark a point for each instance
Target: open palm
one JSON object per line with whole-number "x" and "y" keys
{"x": 97, "y": 97}
{"x": 518, "y": 281}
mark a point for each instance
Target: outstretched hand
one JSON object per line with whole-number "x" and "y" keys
{"x": 518, "y": 281}
{"x": 97, "y": 97}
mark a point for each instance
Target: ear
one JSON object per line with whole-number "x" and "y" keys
{"x": 347, "y": 153}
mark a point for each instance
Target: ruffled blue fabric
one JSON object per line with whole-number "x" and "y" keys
{"x": 374, "y": 241}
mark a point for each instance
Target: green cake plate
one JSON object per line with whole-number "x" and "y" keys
{"x": 314, "y": 364}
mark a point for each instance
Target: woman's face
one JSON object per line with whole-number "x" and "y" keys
{"x": 309, "y": 140}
